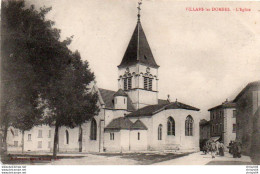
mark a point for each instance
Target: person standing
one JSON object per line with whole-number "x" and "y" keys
{"x": 239, "y": 149}
{"x": 217, "y": 148}
{"x": 235, "y": 150}
{"x": 213, "y": 149}
{"x": 230, "y": 146}
{"x": 221, "y": 149}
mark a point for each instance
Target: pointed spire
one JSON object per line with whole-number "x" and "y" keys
{"x": 139, "y": 9}
{"x": 138, "y": 50}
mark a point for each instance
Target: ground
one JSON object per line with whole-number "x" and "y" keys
{"x": 156, "y": 158}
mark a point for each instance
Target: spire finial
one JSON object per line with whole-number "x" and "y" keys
{"x": 139, "y": 9}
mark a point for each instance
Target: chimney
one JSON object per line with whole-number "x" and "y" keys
{"x": 168, "y": 98}
{"x": 225, "y": 101}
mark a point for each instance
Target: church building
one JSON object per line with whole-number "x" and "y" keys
{"x": 131, "y": 118}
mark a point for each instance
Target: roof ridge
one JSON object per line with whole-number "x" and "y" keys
{"x": 106, "y": 89}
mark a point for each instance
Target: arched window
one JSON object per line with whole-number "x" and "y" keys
{"x": 67, "y": 137}
{"x": 138, "y": 136}
{"x": 170, "y": 126}
{"x": 146, "y": 81}
{"x": 189, "y": 126}
{"x": 129, "y": 83}
{"x": 160, "y": 132}
{"x": 150, "y": 84}
{"x": 93, "y": 130}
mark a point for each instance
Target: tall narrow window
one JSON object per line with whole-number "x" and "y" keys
{"x": 15, "y": 143}
{"x": 160, "y": 132}
{"x": 49, "y": 144}
{"x": 49, "y": 134}
{"x": 93, "y": 130}
{"x": 29, "y": 137}
{"x": 145, "y": 82}
{"x": 138, "y": 135}
{"x": 15, "y": 132}
{"x": 125, "y": 84}
{"x": 189, "y": 126}
{"x": 129, "y": 81}
{"x": 150, "y": 84}
{"x": 67, "y": 137}
{"x": 39, "y": 133}
{"x": 170, "y": 126}
{"x": 112, "y": 136}
{"x": 234, "y": 113}
{"x": 234, "y": 128}
{"x": 39, "y": 144}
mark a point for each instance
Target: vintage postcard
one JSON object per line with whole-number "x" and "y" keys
{"x": 128, "y": 82}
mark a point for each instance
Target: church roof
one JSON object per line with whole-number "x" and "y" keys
{"x": 138, "y": 125}
{"x": 120, "y": 92}
{"x": 179, "y": 105}
{"x": 138, "y": 50}
{"x": 153, "y": 109}
{"x": 108, "y": 97}
{"x": 119, "y": 123}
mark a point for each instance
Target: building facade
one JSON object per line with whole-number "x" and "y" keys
{"x": 223, "y": 122}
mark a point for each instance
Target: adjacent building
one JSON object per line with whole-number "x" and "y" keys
{"x": 247, "y": 104}
{"x": 223, "y": 122}
{"x": 204, "y": 130}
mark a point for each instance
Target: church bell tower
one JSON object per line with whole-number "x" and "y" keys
{"x": 138, "y": 71}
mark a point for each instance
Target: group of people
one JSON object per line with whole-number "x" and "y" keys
{"x": 235, "y": 149}
{"x": 216, "y": 148}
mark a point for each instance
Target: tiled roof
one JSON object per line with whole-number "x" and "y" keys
{"x": 108, "y": 97}
{"x": 138, "y": 125}
{"x": 138, "y": 50}
{"x": 146, "y": 111}
{"x": 119, "y": 123}
{"x": 120, "y": 92}
{"x": 153, "y": 109}
{"x": 255, "y": 84}
{"x": 224, "y": 105}
{"x": 179, "y": 105}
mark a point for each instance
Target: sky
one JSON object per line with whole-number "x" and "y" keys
{"x": 205, "y": 57}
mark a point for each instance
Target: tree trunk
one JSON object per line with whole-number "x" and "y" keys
{"x": 22, "y": 141}
{"x": 55, "y": 144}
{"x": 4, "y": 145}
{"x": 80, "y": 138}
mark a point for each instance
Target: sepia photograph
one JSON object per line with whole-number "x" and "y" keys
{"x": 130, "y": 82}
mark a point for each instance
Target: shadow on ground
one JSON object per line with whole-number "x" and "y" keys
{"x": 146, "y": 158}
{"x": 229, "y": 163}
{"x": 33, "y": 159}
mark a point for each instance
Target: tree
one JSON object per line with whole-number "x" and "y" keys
{"x": 19, "y": 92}
{"x": 69, "y": 99}
{"x": 39, "y": 71}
